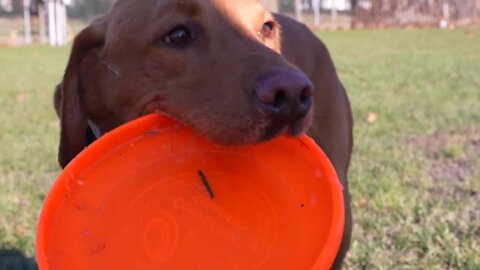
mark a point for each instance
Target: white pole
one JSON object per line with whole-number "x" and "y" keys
{"x": 316, "y": 12}
{"x": 298, "y": 10}
{"x": 27, "y": 22}
{"x": 65, "y": 18}
{"x": 63, "y": 23}
{"x": 42, "y": 23}
{"x": 334, "y": 10}
{"x": 58, "y": 22}
{"x": 446, "y": 11}
{"x": 52, "y": 34}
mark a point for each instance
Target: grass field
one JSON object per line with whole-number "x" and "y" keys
{"x": 415, "y": 174}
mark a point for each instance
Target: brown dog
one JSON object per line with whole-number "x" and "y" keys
{"x": 231, "y": 70}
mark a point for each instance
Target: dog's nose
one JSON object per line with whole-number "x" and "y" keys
{"x": 287, "y": 94}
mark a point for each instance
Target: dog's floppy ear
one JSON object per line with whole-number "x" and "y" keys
{"x": 69, "y": 102}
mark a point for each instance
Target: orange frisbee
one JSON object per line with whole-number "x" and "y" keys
{"x": 152, "y": 194}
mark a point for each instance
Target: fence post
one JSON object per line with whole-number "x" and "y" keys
{"x": 334, "y": 11}
{"x": 42, "y": 23}
{"x": 27, "y": 22}
{"x": 61, "y": 23}
{"x": 316, "y": 12}
{"x": 52, "y": 33}
{"x": 298, "y": 10}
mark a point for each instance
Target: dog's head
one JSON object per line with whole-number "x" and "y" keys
{"x": 214, "y": 65}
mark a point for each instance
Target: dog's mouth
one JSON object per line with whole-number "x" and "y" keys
{"x": 231, "y": 129}
{"x": 155, "y": 105}
{"x": 294, "y": 128}
{"x": 252, "y": 130}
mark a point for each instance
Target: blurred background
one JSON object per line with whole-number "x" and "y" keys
{"x": 412, "y": 72}
{"x": 44, "y": 21}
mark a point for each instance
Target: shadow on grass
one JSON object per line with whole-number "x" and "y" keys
{"x": 15, "y": 260}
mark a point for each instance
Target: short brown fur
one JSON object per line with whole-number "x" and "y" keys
{"x": 120, "y": 69}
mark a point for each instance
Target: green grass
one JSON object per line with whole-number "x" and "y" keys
{"x": 28, "y": 142}
{"x": 422, "y": 84}
{"x": 414, "y": 177}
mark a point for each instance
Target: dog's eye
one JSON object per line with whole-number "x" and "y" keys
{"x": 267, "y": 29}
{"x": 180, "y": 37}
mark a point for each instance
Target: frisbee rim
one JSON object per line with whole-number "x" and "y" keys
{"x": 154, "y": 123}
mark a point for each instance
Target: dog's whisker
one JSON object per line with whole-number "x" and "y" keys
{"x": 112, "y": 68}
